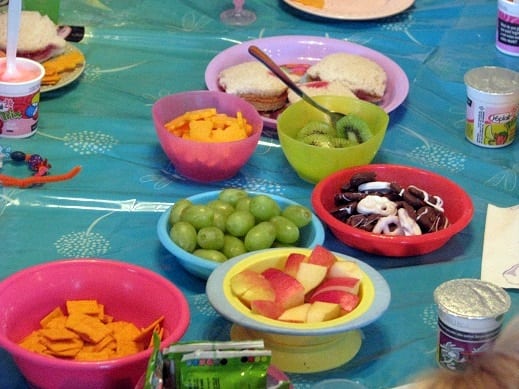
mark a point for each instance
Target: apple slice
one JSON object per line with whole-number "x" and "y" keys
{"x": 289, "y": 291}
{"x": 292, "y": 263}
{"x": 345, "y": 269}
{"x": 322, "y": 256}
{"x": 347, "y": 301}
{"x": 266, "y": 308}
{"x": 296, "y": 314}
{"x": 345, "y": 284}
{"x": 250, "y": 285}
{"x": 310, "y": 275}
{"x": 321, "y": 311}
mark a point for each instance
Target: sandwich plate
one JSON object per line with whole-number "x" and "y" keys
{"x": 300, "y": 49}
{"x": 66, "y": 77}
{"x": 354, "y": 9}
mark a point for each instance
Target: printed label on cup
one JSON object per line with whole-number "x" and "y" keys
{"x": 507, "y": 28}
{"x": 20, "y": 99}
{"x": 492, "y": 106}
{"x": 490, "y": 126}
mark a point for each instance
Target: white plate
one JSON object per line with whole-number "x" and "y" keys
{"x": 354, "y": 9}
{"x": 66, "y": 77}
{"x": 292, "y": 49}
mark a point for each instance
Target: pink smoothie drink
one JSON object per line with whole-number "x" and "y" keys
{"x": 20, "y": 98}
{"x": 23, "y": 73}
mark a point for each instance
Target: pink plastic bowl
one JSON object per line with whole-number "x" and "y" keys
{"x": 129, "y": 293}
{"x": 457, "y": 205}
{"x": 204, "y": 161}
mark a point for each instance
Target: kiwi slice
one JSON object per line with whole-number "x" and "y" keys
{"x": 340, "y": 142}
{"x": 316, "y": 127}
{"x": 319, "y": 140}
{"x": 353, "y": 126}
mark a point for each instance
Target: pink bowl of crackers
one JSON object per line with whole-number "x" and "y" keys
{"x": 392, "y": 210}
{"x": 87, "y": 323}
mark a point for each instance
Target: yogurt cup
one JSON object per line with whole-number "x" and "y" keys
{"x": 20, "y": 99}
{"x": 507, "y": 28}
{"x": 470, "y": 316}
{"x": 492, "y": 106}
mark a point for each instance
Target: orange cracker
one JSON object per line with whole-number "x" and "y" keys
{"x": 87, "y": 307}
{"x": 55, "y": 313}
{"x": 88, "y": 327}
{"x": 56, "y": 334}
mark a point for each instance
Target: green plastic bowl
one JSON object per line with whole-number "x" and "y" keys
{"x": 313, "y": 163}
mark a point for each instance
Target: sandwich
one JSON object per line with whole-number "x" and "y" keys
{"x": 253, "y": 82}
{"x": 366, "y": 78}
{"x": 38, "y": 39}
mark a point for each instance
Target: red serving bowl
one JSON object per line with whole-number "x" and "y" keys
{"x": 205, "y": 161}
{"x": 458, "y": 209}
{"x": 129, "y": 293}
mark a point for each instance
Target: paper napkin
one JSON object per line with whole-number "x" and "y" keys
{"x": 500, "y": 263}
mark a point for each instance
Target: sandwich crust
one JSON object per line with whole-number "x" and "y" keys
{"x": 364, "y": 77}
{"x": 38, "y": 38}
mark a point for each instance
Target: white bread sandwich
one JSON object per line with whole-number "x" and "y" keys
{"x": 366, "y": 78}
{"x": 38, "y": 37}
{"x": 318, "y": 88}
{"x": 253, "y": 82}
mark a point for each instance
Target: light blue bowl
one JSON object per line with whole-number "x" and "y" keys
{"x": 311, "y": 235}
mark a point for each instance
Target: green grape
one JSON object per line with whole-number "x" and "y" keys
{"x": 210, "y": 238}
{"x": 239, "y": 223}
{"x": 260, "y": 237}
{"x": 212, "y": 255}
{"x": 183, "y": 234}
{"x": 286, "y": 231}
{"x": 198, "y": 215}
{"x": 232, "y": 195}
{"x": 264, "y": 207}
{"x": 233, "y": 246}
{"x": 219, "y": 219}
{"x": 177, "y": 209}
{"x": 242, "y": 204}
{"x": 298, "y": 214}
{"x": 222, "y": 206}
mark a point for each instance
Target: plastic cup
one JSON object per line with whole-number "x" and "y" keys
{"x": 45, "y": 7}
{"x": 20, "y": 99}
{"x": 492, "y": 106}
{"x": 507, "y": 29}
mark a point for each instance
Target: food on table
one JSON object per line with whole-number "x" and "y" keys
{"x": 86, "y": 333}
{"x": 339, "y": 74}
{"x": 388, "y": 208}
{"x": 366, "y": 78}
{"x": 312, "y": 3}
{"x": 351, "y": 130}
{"x": 57, "y": 67}
{"x": 207, "y": 125}
{"x": 235, "y": 223}
{"x": 318, "y": 88}
{"x": 38, "y": 37}
{"x": 305, "y": 289}
{"x": 253, "y": 82}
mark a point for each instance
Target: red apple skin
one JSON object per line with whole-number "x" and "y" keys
{"x": 292, "y": 263}
{"x": 346, "y": 284}
{"x": 322, "y": 256}
{"x": 267, "y": 308}
{"x": 346, "y": 300}
{"x": 289, "y": 291}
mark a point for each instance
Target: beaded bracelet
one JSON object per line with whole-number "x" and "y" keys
{"x": 35, "y": 163}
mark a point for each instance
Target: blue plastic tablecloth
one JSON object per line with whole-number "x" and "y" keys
{"x": 139, "y": 51}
